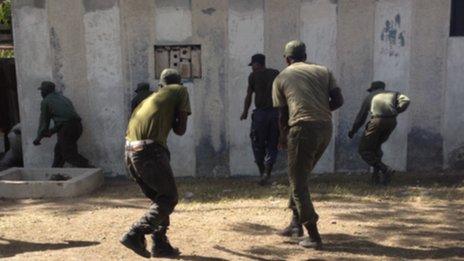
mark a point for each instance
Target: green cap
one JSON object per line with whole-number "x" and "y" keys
{"x": 295, "y": 48}
{"x": 170, "y": 76}
{"x": 143, "y": 86}
{"x": 47, "y": 86}
{"x": 377, "y": 85}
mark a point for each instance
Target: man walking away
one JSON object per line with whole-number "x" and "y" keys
{"x": 143, "y": 91}
{"x": 147, "y": 160}
{"x": 384, "y": 106}
{"x": 264, "y": 120}
{"x": 305, "y": 95}
{"x": 67, "y": 125}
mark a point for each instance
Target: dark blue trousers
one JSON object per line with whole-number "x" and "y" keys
{"x": 265, "y": 135}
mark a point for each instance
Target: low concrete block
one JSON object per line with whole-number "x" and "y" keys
{"x": 36, "y": 182}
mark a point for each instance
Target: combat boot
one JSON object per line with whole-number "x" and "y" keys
{"x": 314, "y": 239}
{"x": 387, "y": 176}
{"x": 265, "y": 178}
{"x": 161, "y": 246}
{"x": 136, "y": 242}
{"x": 294, "y": 229}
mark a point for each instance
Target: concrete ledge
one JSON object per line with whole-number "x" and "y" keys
{"x": 35, "y": 183}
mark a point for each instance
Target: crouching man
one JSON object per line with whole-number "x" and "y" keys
{"x": 147, "y": 160}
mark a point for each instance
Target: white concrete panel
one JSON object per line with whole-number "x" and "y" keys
{"x": 173, "y": 23}
{"x": 391, "y": 65}
{"x": 246, "y": 34}
{"x": 33, "y": 65}
{"x": 183, "y": 161}
{"x": 453, "y": 115}
{"x": 104, "y": 73}
{"x": 319, "y": 33}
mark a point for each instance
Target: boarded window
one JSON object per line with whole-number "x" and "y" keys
{"x": 457, "y": 18}
{"x": 185, "y": 58}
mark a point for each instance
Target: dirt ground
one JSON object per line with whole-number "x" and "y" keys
{"x": 418, "y": 217}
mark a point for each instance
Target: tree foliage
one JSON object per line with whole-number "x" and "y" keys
{"x": 5, "y": 13}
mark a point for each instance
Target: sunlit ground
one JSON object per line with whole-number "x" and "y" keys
{"x": 419, "y": 216}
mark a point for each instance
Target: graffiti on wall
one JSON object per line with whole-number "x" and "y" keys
{"x": 392, "y": 37}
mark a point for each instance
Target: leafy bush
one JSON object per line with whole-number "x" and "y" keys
{"x": 5, "y": 13}
{"x": 6, "y": 53}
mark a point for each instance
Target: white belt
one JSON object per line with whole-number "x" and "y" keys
{"x": 138, "y": 142}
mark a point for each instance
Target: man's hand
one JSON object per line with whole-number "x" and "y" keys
{"x": 36, "y": 142}
{"x": 351, "y": 134}
{"x": 244, "y": 116}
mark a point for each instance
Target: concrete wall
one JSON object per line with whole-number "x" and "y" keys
{"x": 453, "y": 116}
{"x": 100, "y": 51}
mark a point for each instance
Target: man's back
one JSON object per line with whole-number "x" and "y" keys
{"x": 305, "y": 89}
{"x": 59, "y": 107}
{"x": 154, "y": 117}
{"x": 261, "y": 84}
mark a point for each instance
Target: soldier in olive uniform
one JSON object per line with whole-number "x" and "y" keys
{"x": 305, "y": 94}
{"x": 264, "y": 120}
{"x": 67, "y": 125}
{"x": 147, "y": 160}
{"x": 384, "y": 106}
{"x": 143, "y": 91}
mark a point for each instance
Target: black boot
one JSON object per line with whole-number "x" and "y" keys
{"x": 265, "y": 179}
{"x": 314, "y": 240}
{"x": 294, "y": 229}
{"x": 387, "y": 176}
{"x": 161, "y": 246}
{"x": 136, "y": 242}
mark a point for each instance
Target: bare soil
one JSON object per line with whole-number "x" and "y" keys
{"x": 418, "y": 217}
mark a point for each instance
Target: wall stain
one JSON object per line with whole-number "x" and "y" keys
{"x": 346, "y": 150}
{"x": 57, "y": 70}
{"x": 35, "y": 3}
{"x": 393, "y": 37}
{"x": 425, "y": 150}
{"x": 456, "y": 158}
{"x": 96, "y": 5}
{"x": 208, "y": 11}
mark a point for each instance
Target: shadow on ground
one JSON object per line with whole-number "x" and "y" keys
{"x": 11, "y": 248}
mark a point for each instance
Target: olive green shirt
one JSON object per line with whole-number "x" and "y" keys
{"x": 304, "y": 88}
{"x": 260, "y": 82}
{"x": 153, "y": 118}
{"x": 57, "y": 107}
{"x": 381, "y": 103}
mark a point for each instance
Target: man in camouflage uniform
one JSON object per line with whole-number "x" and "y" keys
{"x": 305, "y": 94}
{"x": 264, "y": 120}
{"x": 384, "y": 106}
{"x": 147, "y": 160}
{"x": 67, "y": 125}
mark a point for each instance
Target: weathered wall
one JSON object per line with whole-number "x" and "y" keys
{"x": 33, "y": 65}
{"x": 355, "y": 44}
{"x": 453, "y": 116}
{"x": 430, "y": 31}
{"x": 99, "y": 52}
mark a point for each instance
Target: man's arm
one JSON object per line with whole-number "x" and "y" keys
{"x": 336, "y": 99}
{"x": 283, "y": 126}
{"x": 44, "y": 123}
{"x": 360, "y": 118}
{"x": 247, "y": 104}
{"x": 403, "y": 103}
{"x": 180, "y": 123}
